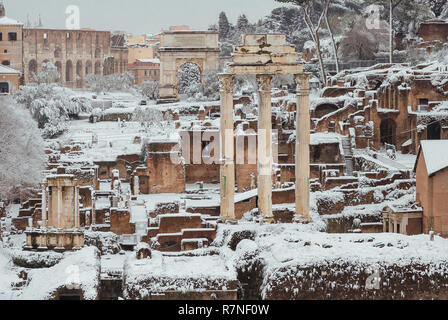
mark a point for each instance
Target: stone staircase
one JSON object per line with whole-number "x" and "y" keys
{"x": 180, "y": 232}
{"x": 348, "y": 155}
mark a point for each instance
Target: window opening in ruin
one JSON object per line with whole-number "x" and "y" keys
{"x": 4, "y": 87}
{"x": 33, "y": 67}
{"x": 6, "y": 63}
{"x": 12, "y": 36}
{"x": 388, "y": 129}
{"x": 398, "y": 228}
{"x": 434, "y": 131}
{"x": 1, "y": 36}
{"x": 423, "y": 105}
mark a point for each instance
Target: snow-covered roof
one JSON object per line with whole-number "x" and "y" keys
{"x": 9, "y": 21}
{"x": 8, "y": 70}
{"x": 435, "y": 153}
{"x": 157, "y": 61}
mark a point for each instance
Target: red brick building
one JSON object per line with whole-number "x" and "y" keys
{"x": 434, "y": 30}
{"x": 432, "y": 185}
{"x": 145, "y": 70}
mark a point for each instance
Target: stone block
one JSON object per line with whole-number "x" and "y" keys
{"x": 269, "y": 49}
{"x": 251, "y": 58}
{"x": 285, "y": 58}
{"x": 276, "y": 39}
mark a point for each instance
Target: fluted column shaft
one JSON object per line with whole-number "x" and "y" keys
{"x": 265, "y": 147}
{"x": 303, "y": 147}
{"x": 227, "y": 148}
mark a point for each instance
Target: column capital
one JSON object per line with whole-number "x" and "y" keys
{"x": 264, "y": 81}
{"x": 226, "y": 82}
{"x": 303, "y": 83}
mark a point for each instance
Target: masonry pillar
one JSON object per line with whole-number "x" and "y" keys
{"x": 303, "y": 147}
{"x": 265, "y": 148}
{"x": 77, "y": 219}
{"x": 44, "y": 206}
{"x": 227, "y": 148}
{"x": 59, "y": 195}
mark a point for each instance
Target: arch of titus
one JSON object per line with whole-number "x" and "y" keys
{"x": 180, "y": 47}
{"x": 265, "y": 55}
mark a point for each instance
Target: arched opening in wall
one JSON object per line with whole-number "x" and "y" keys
{"x": 88, "y": 67}
{"x": 97, "y": 53}
{"x": 4, "y": 87}
{"x": 377, "y": 85}
{"x": 32, "y": 68}
{"x": 57, "y": 53}
{"x": 324, "y": 109}
{"x": 109, "y": 66}
{"x": 58, "y": 65}
{"x": 79, "y": 77}
{"x": 188, "y": 78}
{"x": 97, "y": 67}
{"x": 388, "y": 132}
{"x": 434, "y": 131}
{"x": 69, "y": 72}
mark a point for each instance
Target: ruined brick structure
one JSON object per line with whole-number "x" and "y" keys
{"x": 382, "y": 111}
{"x": 75, "y": 53}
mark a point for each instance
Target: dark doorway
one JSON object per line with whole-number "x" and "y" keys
{"x": 388, "y": 131}
{"x": 4, "y": 87}
{"x": 434, "y": 130}
{"x": 324, "y": 109}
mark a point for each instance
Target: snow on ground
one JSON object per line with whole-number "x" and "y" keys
{"x": 175, "y": 272}
{"x": 7, "y": 275}
{"x": 113, "y": 264}
{"x": 77, "y": 269}
{"x": 291, "y": 243}
{"x": 113, "y": 139}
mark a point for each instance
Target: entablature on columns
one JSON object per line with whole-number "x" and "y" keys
{"x": 274, "y": 69}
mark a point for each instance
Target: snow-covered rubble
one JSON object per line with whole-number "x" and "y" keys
{"x": 76, "y": 271}
{"x": 194, "y": 273}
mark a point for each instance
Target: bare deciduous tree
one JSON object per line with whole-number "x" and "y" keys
{"x": 309, "y": 8}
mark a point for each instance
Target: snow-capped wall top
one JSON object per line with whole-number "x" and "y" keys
{"x": 156, "y": 61}
{"x": 436, "y": 155}
{"x": 8, "y": 70}
{"x": 9, "y": 21}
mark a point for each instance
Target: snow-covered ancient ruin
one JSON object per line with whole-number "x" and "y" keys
{"x": 296, "y": 158}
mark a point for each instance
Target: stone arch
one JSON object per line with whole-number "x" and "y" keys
{"x": 88, "y": 67}
{"x": 32, "y": 67}
{"x": 109, "y": 66}
{"x": 57, "y": 53}
{"x": 324, "y": 109}
{"x": 388, "y": 132}
{"x": 434, "y": 130}
{"x": 187, "y": 74}
{"x": 178, "y": 48}
{"x": 69, "y": 71}
{"x": 79, "y": 74}
{"x": 97, "y": 67}
{"x": 58, "y": 66}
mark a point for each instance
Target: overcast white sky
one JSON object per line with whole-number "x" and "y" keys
{"x": 138, "y": 16}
